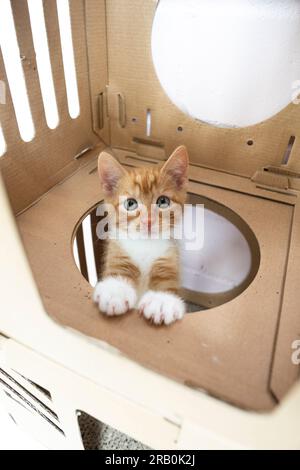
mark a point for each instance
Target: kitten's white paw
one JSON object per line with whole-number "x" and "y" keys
{"x": 114, "y": 295}
{"x": 161, "y": 307}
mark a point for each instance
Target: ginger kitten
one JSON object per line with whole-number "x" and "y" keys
{"x": 141, "y": 266}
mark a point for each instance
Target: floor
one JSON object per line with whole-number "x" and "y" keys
{"x": 99, "y": 436}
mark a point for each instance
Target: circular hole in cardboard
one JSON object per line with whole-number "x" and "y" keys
{"x": 219, "y": 253}
{"x": 193, "y": 66}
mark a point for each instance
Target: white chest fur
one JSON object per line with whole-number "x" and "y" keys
{"x": 144, "y": 252}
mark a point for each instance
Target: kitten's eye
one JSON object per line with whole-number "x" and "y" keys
{"x": 130, "y": 204}
{"x": 163, "y": 202}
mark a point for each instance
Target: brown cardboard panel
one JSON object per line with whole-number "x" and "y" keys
{"x": 131, "y": 73}
{"x": 285, "y": 371}
{"x": 227, "y": 350}
{"x": 32, "y": 168}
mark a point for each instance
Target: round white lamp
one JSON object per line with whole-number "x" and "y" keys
{"x": 230, "y": 63}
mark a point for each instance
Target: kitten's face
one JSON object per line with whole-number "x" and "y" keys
{"x": 147, "y": 200}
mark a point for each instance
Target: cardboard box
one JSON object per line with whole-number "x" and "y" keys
{"x": 52, "y": 184}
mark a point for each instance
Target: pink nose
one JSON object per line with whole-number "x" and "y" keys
{"x": 147, "y": 222}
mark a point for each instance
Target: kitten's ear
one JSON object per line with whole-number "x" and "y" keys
{"x": 110, "y": 172}
{"x": 176, "y": 167}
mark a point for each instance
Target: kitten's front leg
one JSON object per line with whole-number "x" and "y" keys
{"x": 116, "y": 293}
{"x": 161, "y": 304}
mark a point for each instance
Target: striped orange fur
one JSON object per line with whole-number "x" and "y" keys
{"x": 156, "y": 192}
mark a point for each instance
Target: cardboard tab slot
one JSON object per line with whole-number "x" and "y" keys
{"x": 122, "y": 110}
{"x": 287, "y": 153}
{"x": 101, "y": 110}
{"x": 148, "y": 123}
